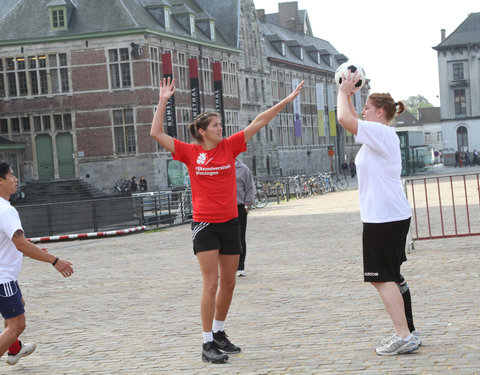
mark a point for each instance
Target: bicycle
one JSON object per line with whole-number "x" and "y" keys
{"x": 339, "y": 183}
{"x": 261, "y": 199}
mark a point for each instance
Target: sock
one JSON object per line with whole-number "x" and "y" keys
{"x": 207, "y": 337}
{"x": 407, "y": 301}
{"x": 218, "y": 325}
{"x": 15, "y": 348}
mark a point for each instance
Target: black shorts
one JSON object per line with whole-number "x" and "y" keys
{"x": 211, "y": 236}
{"x": 384, "y": 250}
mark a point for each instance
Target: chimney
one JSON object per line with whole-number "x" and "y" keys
{"x": 261, "y": 14}
{"x": 442, "y": 33}
{"x": 286, "y": 13}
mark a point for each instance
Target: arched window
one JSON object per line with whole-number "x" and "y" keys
{"x": 462, "y": 138}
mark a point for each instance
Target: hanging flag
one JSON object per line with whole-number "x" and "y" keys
{"x": 331, "y": 111}
{"x": 170, "y": 115}
{"x": 297, "y": 113}
{"x": 218, "y": 91}
{"x": 194, "y": 87}
{"x": 320, "y": 110}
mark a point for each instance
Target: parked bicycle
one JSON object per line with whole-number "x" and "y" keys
{"x": 120, "y": 186}
{"x": 261, "y": 198}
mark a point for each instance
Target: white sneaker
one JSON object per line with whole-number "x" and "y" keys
{"x": 393, "y": 337}
{"x": 26, "y": 349}
{"x": 399, "y": 346}
{"x": 241, "y": 273}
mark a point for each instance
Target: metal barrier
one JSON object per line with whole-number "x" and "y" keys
{"x": 162, "y": 208}
{"x": 444, "y": 206}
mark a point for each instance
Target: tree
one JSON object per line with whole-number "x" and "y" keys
{"x": 413, "y": 103}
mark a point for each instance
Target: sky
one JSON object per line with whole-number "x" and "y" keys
{"x": 391, "y": 40}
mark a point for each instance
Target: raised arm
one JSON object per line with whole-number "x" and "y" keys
{"x": 347, "y": 116}
{"x": 265, "y": 117}
{"x": 167, "y": 89}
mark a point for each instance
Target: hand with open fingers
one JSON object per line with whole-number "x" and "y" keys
{"x": 64, "y": 267}
{"x": 167, "y": 89}
{"x": 348, "y": 83}
{"x": 294, "y": 94}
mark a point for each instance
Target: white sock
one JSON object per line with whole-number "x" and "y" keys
{"x": 218, "y": 325}
{"x": 408, "y": 337}
{"x": 207, "y": 337}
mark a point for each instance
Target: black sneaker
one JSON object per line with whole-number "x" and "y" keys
{"x": 224, "y": 344}
{"x": 211, "y": 353}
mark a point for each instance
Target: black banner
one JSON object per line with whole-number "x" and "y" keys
{"x": 194, "y": 87}
{"x": 218, "y": 91}
{"x": 170, "y": 115}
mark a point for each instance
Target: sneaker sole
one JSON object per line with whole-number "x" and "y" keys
{"x": 231, "y": 352}
{"x": 18, "y": 359}
{"x": 404, "y": 351}
{"x": 212, "y": 360}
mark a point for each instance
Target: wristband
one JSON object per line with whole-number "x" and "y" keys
{"x": 55, "y": 261}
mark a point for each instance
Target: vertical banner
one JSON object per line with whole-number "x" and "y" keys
{"x": 331, "y": 111}
{"x": 170, "y": 115}
{"x": 297, "y": 114}
{"x": 194, "y": 87}
{"x": 218, "y": 91}
{"x": 320, "y": 109}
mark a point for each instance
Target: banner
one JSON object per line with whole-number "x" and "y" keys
{"x": 320, "y": 109}
{"x": 331, "y": 111}
{"x": 218, "y": 91}
{"x": 170, "y": 115}
{"x": 297, "y": 114}
{"x": 194, "y": 87}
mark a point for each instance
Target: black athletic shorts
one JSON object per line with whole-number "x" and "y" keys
{"x": 211, "y": 236}
{"x": 384, "y": 250}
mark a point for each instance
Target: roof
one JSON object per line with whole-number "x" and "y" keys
{"x": 406, "y": 119}
{"x": 429, "y": 115}
{"x": 274, "y": 33}
{"x": 467, "y": 33}
{"x": 97, "y": 17}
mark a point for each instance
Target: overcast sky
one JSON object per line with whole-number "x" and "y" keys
{"x": 392, "y": 40}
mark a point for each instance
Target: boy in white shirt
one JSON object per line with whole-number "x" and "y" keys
{"x": 13, "y": 246}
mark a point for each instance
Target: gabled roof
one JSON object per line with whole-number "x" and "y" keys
{"x": 406, "y": 119}
{"x": 467, "y": 33}
{"x": 113, "y": 16}
{"x": 274, "y": 32}
{"x": 6, "y": 6}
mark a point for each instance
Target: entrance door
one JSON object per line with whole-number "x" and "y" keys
{"x": 43, "y": 143}
{"x": 66, "y": 164}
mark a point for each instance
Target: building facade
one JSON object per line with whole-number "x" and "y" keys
{"x": 79, "y": 86}
{"x": 459, "y": 76}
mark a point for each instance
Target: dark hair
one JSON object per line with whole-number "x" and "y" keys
{"x": 386, "y": 102}
{"x": 201, "y": 122}
{"x": 4, "y": 169}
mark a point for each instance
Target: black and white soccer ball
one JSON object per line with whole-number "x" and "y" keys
{"x": 353, "y": 67}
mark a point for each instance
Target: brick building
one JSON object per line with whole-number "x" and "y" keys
{"x": 79, "y": 85}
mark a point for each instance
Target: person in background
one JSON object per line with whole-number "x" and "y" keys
{"x": 143, "y": 184}
{"x": 245, "y": 198}
{"x": 384, "y": 208}
{"x": 133, "y": 185}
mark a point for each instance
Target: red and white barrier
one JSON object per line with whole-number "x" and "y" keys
{"x": 82, "y": 236}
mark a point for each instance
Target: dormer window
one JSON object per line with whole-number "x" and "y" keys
{"x": 284, "y": 49}
{"x": 167, "y": 13}
{"x": 192, "y": 24}
{"x": 212, "y": 30}
{"x": 60, "y": 12}
{"x": 301, "y": 53}
{"x": 318, "y": 57}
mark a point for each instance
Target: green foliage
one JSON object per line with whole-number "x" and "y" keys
{"x": 413, "y": 103}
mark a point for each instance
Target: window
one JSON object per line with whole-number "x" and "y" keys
{"x": 284, "y": 49}
{"x": 460, "y": 102}
{"x": 428, "y": 137}
{"x": 25, "y": 124}
{"x": 274, "y": 84}
{"x": 192, "y": 24}
{"x": 182, "y": 126}
{"x": 206, "y": 72}
{"x": 232, "y": 125}
{"x": 124, "y": 131}
{"x": 119, "y": 64}
{"x": 58, "y": 18}
{"x": 58, "y": 73}
{"x": 212, "y": 30}
{"x": 167, "y": 18}
{"x": 155, "y": 66}
{"x": 462, "y": 138}
{"x": 2, "y": 85}
{"x": 458, "y": 72}
{"x": 229, "y": 76}
{"x": 182, "y": 65}
{"x": 439, "y": 136}
{"x": 3, "y": 126}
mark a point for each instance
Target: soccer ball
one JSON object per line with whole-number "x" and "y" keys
{"x": 353, "y": 67}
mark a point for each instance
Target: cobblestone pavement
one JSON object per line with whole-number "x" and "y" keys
{"x": 132, "y": 306}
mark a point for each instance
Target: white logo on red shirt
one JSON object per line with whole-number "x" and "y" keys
{"x": 202, "y": 159}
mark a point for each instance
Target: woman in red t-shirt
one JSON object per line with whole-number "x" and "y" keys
{"x": 215, "y": 228}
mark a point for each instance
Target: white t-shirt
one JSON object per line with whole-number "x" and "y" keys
{"x": 10, "y": 257}
{"x": 379, "y": 167}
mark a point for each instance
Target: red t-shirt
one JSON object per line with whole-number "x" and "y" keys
{"x": 212, "y": 177}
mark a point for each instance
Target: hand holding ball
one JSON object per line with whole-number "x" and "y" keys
{"x": 352, "y": 67}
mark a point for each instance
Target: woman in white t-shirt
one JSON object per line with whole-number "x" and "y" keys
{"x": 384, "y": 208}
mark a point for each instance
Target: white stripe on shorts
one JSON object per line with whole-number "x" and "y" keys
{"x": 8, "y": 290}
{"x": 198, "y": 228}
